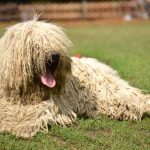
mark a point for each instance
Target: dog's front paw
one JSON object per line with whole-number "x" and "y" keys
{"x": 65, "y": 119}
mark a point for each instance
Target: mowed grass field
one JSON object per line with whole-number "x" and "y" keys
{"x": 126, "y": 48}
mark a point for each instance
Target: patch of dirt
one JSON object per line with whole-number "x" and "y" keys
{"x": 60, "y": 142}
{"x": 94, "y": 133}
{"x": 6, "y": 24}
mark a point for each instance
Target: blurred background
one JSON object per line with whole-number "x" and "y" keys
{"x": 74, "y": 10}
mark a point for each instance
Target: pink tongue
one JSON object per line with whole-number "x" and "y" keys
{"x": 48, "y": 80}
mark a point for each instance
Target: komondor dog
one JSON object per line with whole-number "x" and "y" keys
{"x": 41, "y": 85}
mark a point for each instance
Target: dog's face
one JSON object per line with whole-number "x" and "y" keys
{"x": 36, "y": 55}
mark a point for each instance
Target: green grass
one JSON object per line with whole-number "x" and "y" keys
{"x": 127, "y": 49}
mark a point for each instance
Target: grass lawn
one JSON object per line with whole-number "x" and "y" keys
{"x": 127, "y": 49}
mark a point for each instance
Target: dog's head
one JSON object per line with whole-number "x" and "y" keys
{"x": 34, "y": 53}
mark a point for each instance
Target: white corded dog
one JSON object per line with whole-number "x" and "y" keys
{"x": 41, "y": 84}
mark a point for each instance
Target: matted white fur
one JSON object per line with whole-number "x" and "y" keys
{"x": 84, "y": 86}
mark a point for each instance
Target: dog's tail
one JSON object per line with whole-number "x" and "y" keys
{"x": 147, "y": 105}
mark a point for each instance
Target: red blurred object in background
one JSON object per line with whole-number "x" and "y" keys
{"x": 77, "y": 55}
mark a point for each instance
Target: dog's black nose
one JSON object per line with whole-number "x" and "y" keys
{"x": 55, "y": 61}
{"x": 55, "y": 56}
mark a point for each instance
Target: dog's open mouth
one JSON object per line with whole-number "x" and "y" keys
{"x": 48, "y": 80}
{"x": 51, "y": 66}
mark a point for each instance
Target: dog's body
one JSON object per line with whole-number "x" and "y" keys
{"x": 95, "y": 89}
{"x": 41, "y": 84}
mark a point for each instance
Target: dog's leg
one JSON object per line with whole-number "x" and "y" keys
{"x": 65, "y": 119}
{"x": 62, "y": 113}
{"x": 25, "y": 120}
{"x": 103, "y": 92}
{"x": 131, "y": 107}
